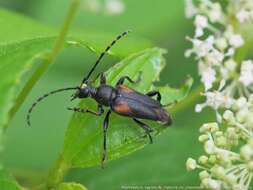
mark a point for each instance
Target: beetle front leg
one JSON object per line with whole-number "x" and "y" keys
{"x": 102, "y": 78}
{"x": 147, "y": 129}
{"x": 155, "y": 93}
{"x": 81, "y": 110}
{"x": 105, "y": 127}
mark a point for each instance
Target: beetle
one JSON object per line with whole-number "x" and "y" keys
{"x": 120, "y": 99}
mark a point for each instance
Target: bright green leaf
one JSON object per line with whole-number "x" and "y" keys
{"x": 7, "y": 182}
{"x": 71, "y": 186}
{"x": 83, "y": 139}
{"x": 173, "y": 95}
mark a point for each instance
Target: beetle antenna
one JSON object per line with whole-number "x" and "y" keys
{"x": 43, "y": 97}
{"x": 103, "y": 53}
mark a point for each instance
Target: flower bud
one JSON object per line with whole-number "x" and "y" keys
{"x": 203, "y": 138}
{"x": 218, "y": 172}
{"x": 250, "y": 142}
{"x": 221, "y": 43}
{"x": 236, "y": 40}
{"x": 250, "y": 166}
{"x": 230, "y": 64}
{"x": 203, "y": 174}
{"x": 198, "y": 108}
{"x": 191, "y": 164}
{"x": 231, "y": 133}
{"x": 203, "y": 159}
{"x": 229, "y": 116}
{"x": 212, "y": 159}
{"x": 231, "y": 179}
{"x": 221, "y": 141}
{"x": 214, "y": 184}
{"x": 219, "y": 133}
{"x": 242, "y": 115}
{"x": 209, "y": 147}
{"x": 246, "y": 152}
{"x": 251, "y": 99}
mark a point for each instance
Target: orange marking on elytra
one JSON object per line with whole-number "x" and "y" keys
{"x": 126, "y": 89}
{"x": 122, "y": 108}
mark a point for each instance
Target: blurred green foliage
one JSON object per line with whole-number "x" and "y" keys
{"x": 29, "y": 152}
{"x": 7, "y": 181}
{"x": 71, "y": 186}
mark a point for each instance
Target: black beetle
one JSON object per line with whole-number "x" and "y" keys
{"x": 120, "y": 99}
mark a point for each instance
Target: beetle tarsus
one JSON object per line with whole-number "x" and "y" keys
{"x": 147, "y": 129}
{"x": 81, "y": 110}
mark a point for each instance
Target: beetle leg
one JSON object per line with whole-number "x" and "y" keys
{"x": 147, "y": 129}
{"x": 81, "y": 110}
{"x": 105, "y": 127}
{"x": 102, "y": 78}
{"x": 155, "y": 93}
{"x": 122, "y": 79}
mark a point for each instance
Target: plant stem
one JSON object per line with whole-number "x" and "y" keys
{"x": 57, "y": 173}
{"x": 48, "y": 60}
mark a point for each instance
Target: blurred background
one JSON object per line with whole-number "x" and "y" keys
{"x": 30, "y": 152}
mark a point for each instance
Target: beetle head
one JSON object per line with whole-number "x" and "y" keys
{"x": 82, "y": 92}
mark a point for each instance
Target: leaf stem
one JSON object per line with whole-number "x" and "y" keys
{"x": 48, "y": 60}
{"x": 57, "y": 173}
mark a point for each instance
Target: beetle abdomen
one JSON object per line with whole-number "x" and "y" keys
{"x": 164, "y": 117}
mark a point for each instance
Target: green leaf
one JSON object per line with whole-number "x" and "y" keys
{"x": 16, "y": 59}
{"x": 173, "y": 95}
{"x": 71, "y": 186}
{"x": 7, "y": 182}
{"x": 83, "y": 140}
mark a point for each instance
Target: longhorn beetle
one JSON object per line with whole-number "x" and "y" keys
{"x": 119, "y": 98}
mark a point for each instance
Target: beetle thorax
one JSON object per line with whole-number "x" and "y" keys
{"x": 105, "y": 94}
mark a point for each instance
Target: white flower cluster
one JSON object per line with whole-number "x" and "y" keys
{"x": 109, "y": 7}
{"x": 219, "y": 48}
{"x": 243, "y": 10}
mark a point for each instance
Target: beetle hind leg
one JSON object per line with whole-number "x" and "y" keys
{"x": 155, "y": 93}
{"x": 147, "y": 129}
{"x": 105, "y": 127}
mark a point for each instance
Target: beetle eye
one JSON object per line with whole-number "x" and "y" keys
{"x": 75, "y": 95}
{"x": 83, "y": 93}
